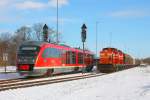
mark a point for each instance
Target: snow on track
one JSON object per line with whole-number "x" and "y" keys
{"x": 131, "y": 84}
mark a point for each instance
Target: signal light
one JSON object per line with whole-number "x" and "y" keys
{"x": 24, "y": 67}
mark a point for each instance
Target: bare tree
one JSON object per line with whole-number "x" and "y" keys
{"x": 6, "y": 36}
{"x": 10, "y": 42}
{"x": 146, "y": 60}
{"x": 52, "y": 35}
{"x": 5, "y": 41}
{"x": 24, "y": 33}
{"x": 37, "y": 31}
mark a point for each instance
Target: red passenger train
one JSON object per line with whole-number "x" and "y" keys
{"x": 112, "y": 59}
{"x": 43, "y": 58}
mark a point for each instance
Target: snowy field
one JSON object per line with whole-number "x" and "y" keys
{"x": 131, "y": 84}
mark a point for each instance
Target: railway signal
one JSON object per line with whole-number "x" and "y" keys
{"x": 83, "y": 33}
{"x": 45, "y": 33}
{"x": 83, "y": 36}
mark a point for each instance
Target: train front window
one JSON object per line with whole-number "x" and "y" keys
{"x": 27, "y": 54}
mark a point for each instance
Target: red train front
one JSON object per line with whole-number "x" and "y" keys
{"x": 110, "y": 56}
{"x": 42, "y": 58}
{"x": 112, "y": 59}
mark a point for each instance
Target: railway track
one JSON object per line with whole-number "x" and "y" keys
{"x": 32, "y": 78}
{"x": 9, "y": 81}
{"x": 20, "y": 83}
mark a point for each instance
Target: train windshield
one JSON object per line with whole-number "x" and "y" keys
{"x": 29, "y": 49}
{"x": 27, "y": 54}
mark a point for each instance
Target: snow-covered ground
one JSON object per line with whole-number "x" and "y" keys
{"x": 131, "y": 84}
{"x": 4, "y": 76}
{"x": 10, "y": 73}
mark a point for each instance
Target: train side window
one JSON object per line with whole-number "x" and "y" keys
{"x": 51, "y": 53}
{"x": 80, "y": 58}
{"x": 70, "y": 57}
{"x": 67, "y": 57}
{"x": 63, "y": 55}
{"x": 73, "y": 58}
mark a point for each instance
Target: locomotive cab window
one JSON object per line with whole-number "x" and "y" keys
{"x": 51, "y": 53}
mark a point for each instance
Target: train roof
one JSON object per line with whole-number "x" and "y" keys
{"x": 35, "y": 43}
{"x": 112, "y": 49}
{"x": 119, "y": 51}
{"x": 109, "y": 48}
{"x": 41, "y": 43}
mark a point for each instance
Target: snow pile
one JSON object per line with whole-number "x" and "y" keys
{"x": 131, "y": 84}
{"x": 4, "y": 76}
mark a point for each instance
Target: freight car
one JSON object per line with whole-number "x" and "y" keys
{"x": 43, "y": 58}
{"x": 112, "y": 59}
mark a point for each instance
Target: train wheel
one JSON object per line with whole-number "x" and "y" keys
{"x": 84, "y": 70}
{"x": 76, "y": 69}
{"x": 49, "y": 72}
{"x": 117, "y": 69}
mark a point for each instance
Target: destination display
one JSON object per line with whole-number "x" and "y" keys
{"x": 28, "y": 48}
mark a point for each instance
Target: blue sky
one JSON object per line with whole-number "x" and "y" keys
{"x": 124, "y": 24}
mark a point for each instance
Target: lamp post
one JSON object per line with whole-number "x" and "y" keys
{"x": 96, "y": 35}
{"x": 83, "y": 36}
{"x": 96, "y": 39}
{"x": 57, "y": 24}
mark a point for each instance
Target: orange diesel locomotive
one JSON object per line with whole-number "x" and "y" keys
{"x": 112, "y": 59}
{"x": 42, "y": 58}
